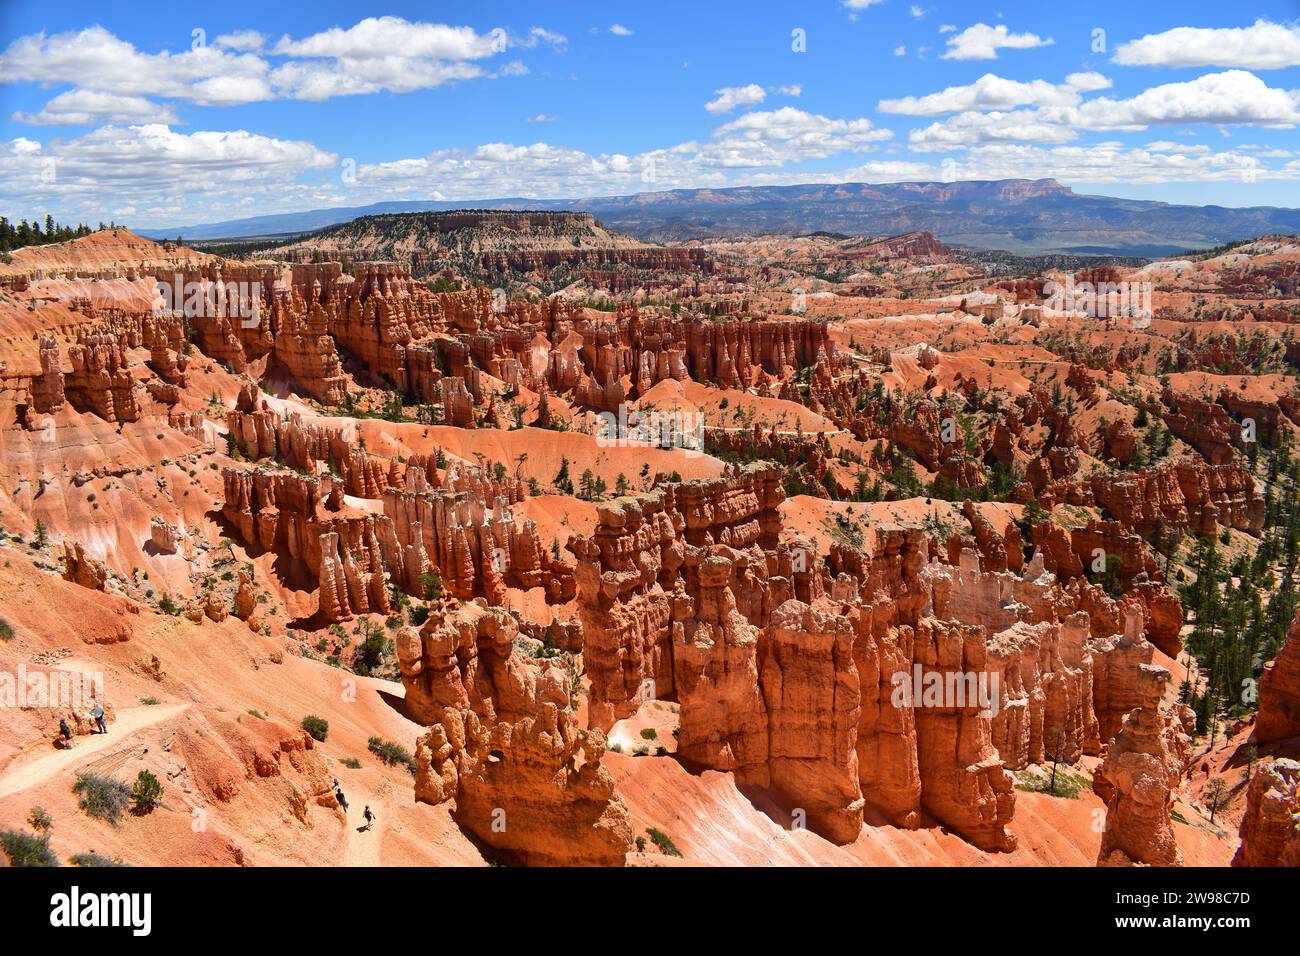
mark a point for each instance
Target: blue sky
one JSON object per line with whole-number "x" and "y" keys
{"x": 160, "y": 114}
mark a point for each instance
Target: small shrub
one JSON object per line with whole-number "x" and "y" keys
{"x": 352, "y": 763}
{"x": 147, "y": 792}
{"x": 391, "y": 753}
{"x": 640, "y": 844}
{"x": 150, "y": 701}
{"x": 39, "y": 820}
{"x": 167, "y": 605}
{"x": 372, "y": 652}
{"x": 663, "y": 841}
{"x": 27, "y": 849}
{"x": 254, "y": 712}
{"x": 317, "y": 727}
{"x": 94, "y": 859}
{"x": 6, "y": 630}
{"x": 101, "y": 797}
{"x": 649, "y": 734}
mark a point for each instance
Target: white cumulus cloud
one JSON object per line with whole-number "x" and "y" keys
{"x": 730, "y": 97}
{"x": 1232, "y": 97}
{"x": 1260, "y": 46}
{"x": 86, "y": 107}
{"x": 982, "y": 42}
{"x": 992, "y": 92}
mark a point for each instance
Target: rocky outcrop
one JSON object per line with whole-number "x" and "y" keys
{"x": 101, "y": 381}
{"x": 351, "y": 581}
{"x": 921, "y": 432}
{"x": 457, "y": 403}
{"x": 47, "y": 389}
{"x": 81, "y": 568}
{"x": 306, "y": 350}
{"x": 1138, "y": 779}
{"x": 1045, "y": 678}
{"x": 214, "y": 608}
{"x": 715, "y": 675}
{"x": 245, "y": 603}
{"x": 999, "y": 552}
{"x": 505, "y": 745}
{"x": 963, "y": 780}
{"x": 1188, "y": 496}
{"x": 788, "y": 673}
{"x": 1119, "y": 441}
{"x": 909, "y": 245}
{"x": 468, "y": 530}
{"x": 532, "y": 789}
{"x": 685, "y": 593}
{"x": 354, "y": 555}
{"x": 1270, "y": 827}
{"x": 888, "y": 771}
{"x": 1054, "y": 544}
{"x": 1206, "y": 426}
{"x": 735, "y": 352}
{"x": 1163, "y": 612}
{"x": 163, "y": 537}
{"x": 631, "y": 571}
{"x": 464, "y": 657}
{"x": 1117, "y": 684}
{"x": 1279, "y": 692}
{"x": 813, "y": 698}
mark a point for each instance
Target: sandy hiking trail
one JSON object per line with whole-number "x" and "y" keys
{"x": 128, "y": 722}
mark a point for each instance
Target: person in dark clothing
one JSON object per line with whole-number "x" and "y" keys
{"x": 343, "y": 801}
{"x": 65, "y": 732}
{"x": 370, "y": 816}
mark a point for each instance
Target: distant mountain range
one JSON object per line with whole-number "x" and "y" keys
{"x": 1017, "y": 215}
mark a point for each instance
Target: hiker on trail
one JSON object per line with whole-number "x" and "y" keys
{"x": 343, "y": 801}
{"x": 97, "y": 712}
{"x": 369, "y": 815}
{"x": 65, "y": 732}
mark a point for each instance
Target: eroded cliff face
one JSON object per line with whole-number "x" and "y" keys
{"x": 657, "y": 563}
{"x": 813, "y": 695}
{"x": 1270, "y": 828}
{"x": 433, "y": 522}
{"x": 1279, "y": 692}
{"x": 1189, "y": 494}
{"x": 1045, "y": 673}
{"x": 504, "y": 744}
{"x": 963, "y": 780}
{"x": 464, "y": 656}
{"x": 809, "y": 676}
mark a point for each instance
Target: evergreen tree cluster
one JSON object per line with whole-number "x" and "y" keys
{"x": 1242, "y": 606}
{"x": 36, "y": 233}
